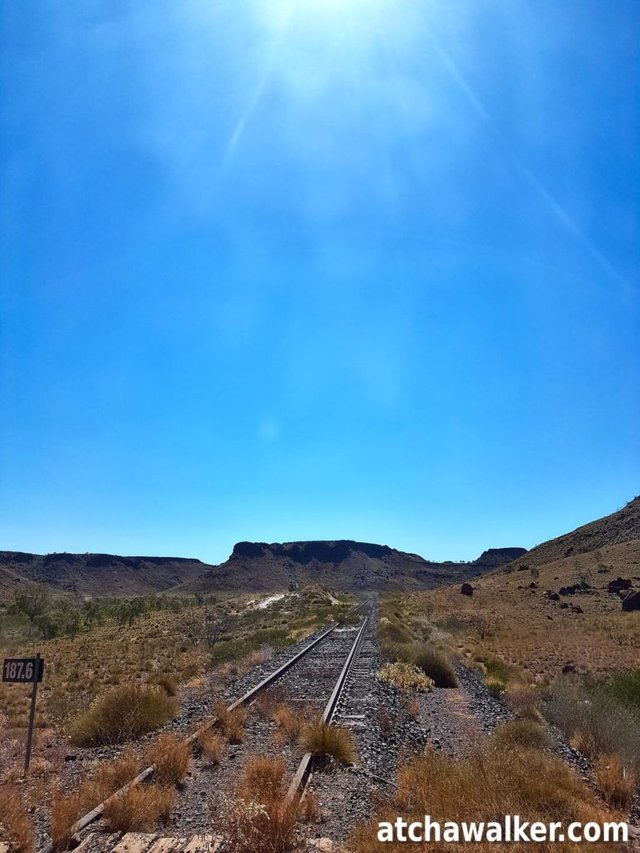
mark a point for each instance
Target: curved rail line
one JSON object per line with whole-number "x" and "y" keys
{"x": 304, "y": 769}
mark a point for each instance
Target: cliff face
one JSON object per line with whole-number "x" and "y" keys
{"x": 342, "y": 564}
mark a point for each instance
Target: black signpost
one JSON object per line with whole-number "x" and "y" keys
{"x": 25, "y": 671}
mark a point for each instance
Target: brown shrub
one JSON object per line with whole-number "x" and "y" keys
{"x": 523, "y": 700}
{"x": 231, "y": 723}
{"x": 499, "y": 779}
{"x": 323, "y": 739}
{"x": 259, "y": 820}
{"x": 211, "y": 746}
{"x": 172, "y": 757}
{"x": 523, "y": 733}
{"x": 262, "y": 779}
{"x": 309, "y": 810}
{"x": 167, "y": 683}
{"x": 14, "y": 818}
{"x": 123, "y": 712}
{"x": 139, "y": 808}
{"x": 616, "y": 781}
{"x": 286, "y": 720}
{"x": 107, "y": 778}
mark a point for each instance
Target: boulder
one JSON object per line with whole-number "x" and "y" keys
{"x": 618, "y": 584}
{"x": 552, "y": 596}
{"x": 466, "y": 589}
{"x": 631, "y": 601}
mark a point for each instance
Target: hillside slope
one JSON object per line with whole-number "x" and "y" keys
{"x": 615, "y": 529}
{"x": 343, "y": 565}
{"x": 94, "y": 574}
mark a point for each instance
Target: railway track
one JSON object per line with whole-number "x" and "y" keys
{"x": 314, "y": 680}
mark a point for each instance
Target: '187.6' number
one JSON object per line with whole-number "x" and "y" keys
{"x": 18, "y": 670}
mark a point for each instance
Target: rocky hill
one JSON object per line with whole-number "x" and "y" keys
{"x": 95, "y": 574}
{"x": 619, "y": 527}
{"x": 342, "y": 565}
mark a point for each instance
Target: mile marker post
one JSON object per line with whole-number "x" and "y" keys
{"x": 32, "y": 713}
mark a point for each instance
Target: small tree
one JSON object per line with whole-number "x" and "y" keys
{"x": 33, "y": 602}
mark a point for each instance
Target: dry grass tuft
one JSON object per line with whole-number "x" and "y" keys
{"x": 286, "y": 720}
{"x": 323, "y": 739}
{"x": 499, "y": 779}
{"x": 140, "y": 808}
{"x": 523, "y": 733}
{"x": 172, "y": 758}
{"x": 231, "y": 723}
{"x": 262, "y": 779}
{"x": 211, "y": 746}
{"x": 616, "y": 781}
{"x": 523, "y": 700}
{"x": 309, "y": 810}
{"x": 66, "y": 808}
{"x": 168, "y": 684}
{"x": 123, "y": 712}
{"x": 406, "y": 677}
{"x": 14, "y": 819}
{"x": 259, "y": 820}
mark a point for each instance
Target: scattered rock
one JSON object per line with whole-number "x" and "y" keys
{"x": 323, "y": 845}
{"x": 631, "y": 601}
{"x": 551, "y": 595}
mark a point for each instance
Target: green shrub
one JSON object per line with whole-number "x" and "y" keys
{"x": 124, "y": 712}
{"x": 436, "y": 665}
{"x": 593, "y": 722}
{"x": 624, "y": 689}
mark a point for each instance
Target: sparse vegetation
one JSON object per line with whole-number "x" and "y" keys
{"x": 124, "y": 712}
{"x": 14, "y": 819}
{"x": 287, "y": 721}
{"x": 616, "y": 781}
{"x": 140, "y": 808}
{"x": 68, "y": 807}
{"x": 172, "y": 757}
{"x": 231, "y": 723}
{"x": 329, "y": 741}
{"x": 258, "y": 819}
{"x": 593, "y": 722}
{"x": 211, "y": 746}
{"x": 502, "y": 778}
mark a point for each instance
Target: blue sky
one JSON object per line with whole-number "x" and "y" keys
{"x": 291, "y": 269}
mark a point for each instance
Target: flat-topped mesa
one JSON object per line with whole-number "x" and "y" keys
{"x": 305, "y": 552}
{"x": 498, "y": 556}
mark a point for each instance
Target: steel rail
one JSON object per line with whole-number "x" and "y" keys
{"x": 246, "y": 699}
{"x": 305, "y": 767}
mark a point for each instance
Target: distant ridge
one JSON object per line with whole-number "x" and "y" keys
{"x": 342, "y": 564}
{"x": 95, "y": 574}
